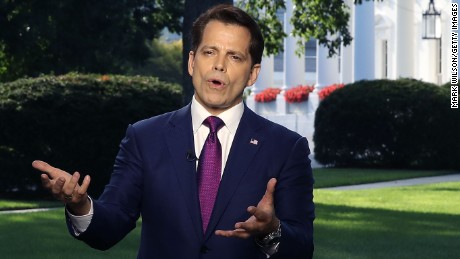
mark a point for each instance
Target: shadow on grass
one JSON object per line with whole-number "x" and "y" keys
{"x": 44, "y": 235}
{"x": 340, "y": 232}
{"x": 349, "y": 232}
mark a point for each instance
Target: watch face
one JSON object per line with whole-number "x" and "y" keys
{"x": 274, "y": 241}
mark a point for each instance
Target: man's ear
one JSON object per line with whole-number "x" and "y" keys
{"x": 253, "y": 75}
{"x": 191, "y": 62}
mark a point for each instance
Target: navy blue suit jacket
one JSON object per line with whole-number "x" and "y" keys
{"x": 153, "y": 178}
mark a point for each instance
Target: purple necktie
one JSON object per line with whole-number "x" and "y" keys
{"x": 209, "y": 167}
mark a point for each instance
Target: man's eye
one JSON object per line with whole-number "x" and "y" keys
{"x": 236, "y": 58}
{"x": 208, "y": 52}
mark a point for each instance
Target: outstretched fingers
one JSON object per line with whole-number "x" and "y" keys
{"x": 262, "y": 220}
{"x": 62, "y": 185}
{"x": 53, "y": 172}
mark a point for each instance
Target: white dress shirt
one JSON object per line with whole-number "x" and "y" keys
{"x": 226, "y": 134}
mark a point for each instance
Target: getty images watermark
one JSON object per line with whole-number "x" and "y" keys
{"x": 454, "y": 57}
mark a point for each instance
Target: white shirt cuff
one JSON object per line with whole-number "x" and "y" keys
{"x": 81, "y": 223}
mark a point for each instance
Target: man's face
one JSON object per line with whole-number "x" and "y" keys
{"x": 222, "y": 67}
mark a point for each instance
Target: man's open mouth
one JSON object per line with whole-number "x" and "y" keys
{"x": 216, "y": 82}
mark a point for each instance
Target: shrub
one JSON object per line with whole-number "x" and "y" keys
{"x": 74, "y": 122}
{"x": 298, "y": 94}
{"x": 385, "y": 123}
{"x": 267, "y": 95}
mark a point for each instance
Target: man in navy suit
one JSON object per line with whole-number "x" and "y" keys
{"x": 264, "y": 203}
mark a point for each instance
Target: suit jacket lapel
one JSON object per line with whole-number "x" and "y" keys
{"x": 179, "y": 142}
{"x": 241, "y": 155}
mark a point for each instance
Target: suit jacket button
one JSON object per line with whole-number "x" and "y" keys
{"x": 204, "y": 249}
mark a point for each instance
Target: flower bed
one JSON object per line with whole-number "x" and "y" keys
{"x": 298, "y": 94}
{"x": 326, "y": 91}
{"x": 267, "y": 95}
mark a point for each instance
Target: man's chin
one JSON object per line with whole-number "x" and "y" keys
{"x": 218, "y": 107}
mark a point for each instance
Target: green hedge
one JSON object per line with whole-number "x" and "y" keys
{"x": 72, "y": 121}
{"x": 402, "y": 123}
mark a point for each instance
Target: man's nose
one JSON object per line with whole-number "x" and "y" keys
{"x": 219, "y": 64}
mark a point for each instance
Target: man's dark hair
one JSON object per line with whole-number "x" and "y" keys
{"x": 232, "y": 15}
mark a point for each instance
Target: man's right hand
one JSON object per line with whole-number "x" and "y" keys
{"x": 64, "y": 187}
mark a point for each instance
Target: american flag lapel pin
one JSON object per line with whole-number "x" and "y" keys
{"x": 254, "y": 141}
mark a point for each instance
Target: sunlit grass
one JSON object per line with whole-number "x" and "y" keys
{"x": 401, "y": 222}
{"x": 17, "y": 204}
{"x": 398, "y": 222}
{"x": 330, "y": 177}
{"x": 433, "y": 198}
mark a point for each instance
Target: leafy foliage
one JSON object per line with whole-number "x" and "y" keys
{"x": 271, "y": 27}
{"x": 165, "y": 62}
{"x": 388, "y": 123}
{"x": 44, "y": 37}
{"x": 324, "y": 20}
{"x": 74, "y": 121}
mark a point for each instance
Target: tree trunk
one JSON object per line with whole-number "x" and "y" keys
{"x": 193, "y": 9}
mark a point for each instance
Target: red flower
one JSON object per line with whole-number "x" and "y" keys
{"x": 267, "y": 95}
{"x": 326, "y": 91}
{"x": 298, "y": 94}
{"x": 105, "y": 78}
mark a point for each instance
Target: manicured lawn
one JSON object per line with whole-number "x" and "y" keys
{"x": 44, "y": 235}
{"x": 324, "y": 177}
{"x": 404, "y": 222}
{"x": 18, "y": 204}
{"x": 330, "y": 177}
{"x": 401, "y": 222}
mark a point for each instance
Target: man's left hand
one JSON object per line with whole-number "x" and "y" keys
{"x": 262, "y": 221}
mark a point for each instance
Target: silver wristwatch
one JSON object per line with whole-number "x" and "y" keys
{"x": 270, "y": 243}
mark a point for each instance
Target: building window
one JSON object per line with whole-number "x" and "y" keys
{"x": 310, "y": 56}
{"x": 385, "y": 59}
{"x": 440, "y": 57}
{"x": 278, "y": 60}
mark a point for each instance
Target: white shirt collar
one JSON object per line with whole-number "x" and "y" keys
{"x": 231, "y": 117}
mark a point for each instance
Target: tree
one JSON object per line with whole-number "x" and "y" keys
{"x": 80, "y": 35}
{"x": 43, "y": 37}
{"x": 165, "y": 62}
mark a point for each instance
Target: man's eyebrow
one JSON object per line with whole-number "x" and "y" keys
{"x": 230, "y": 51}
{"x": 209, "y": 47}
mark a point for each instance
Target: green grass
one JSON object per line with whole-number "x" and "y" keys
{"x": 404, "y": 222}
{"x": 331, "y": 177}
{"x": 17, "y": 204}
{"x": 401, "y": 222}
{"x": 44, "y": 235}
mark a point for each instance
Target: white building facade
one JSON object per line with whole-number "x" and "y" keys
{"x": 387, "y": 44}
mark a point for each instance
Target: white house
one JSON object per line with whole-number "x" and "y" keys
{"x": 387, "y": 43}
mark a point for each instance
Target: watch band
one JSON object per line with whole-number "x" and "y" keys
{"x": 270, "y": 243}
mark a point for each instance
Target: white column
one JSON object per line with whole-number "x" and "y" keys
{"x": 405, "y": 38}
{"x": 364, "y": 41}
{"x": 428, "y": 58}
{"x": 346, "y": 59}
{"x": 294, "y": 66}
{"x": 265, "y": 78}
{"x": 327, "y": 68}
